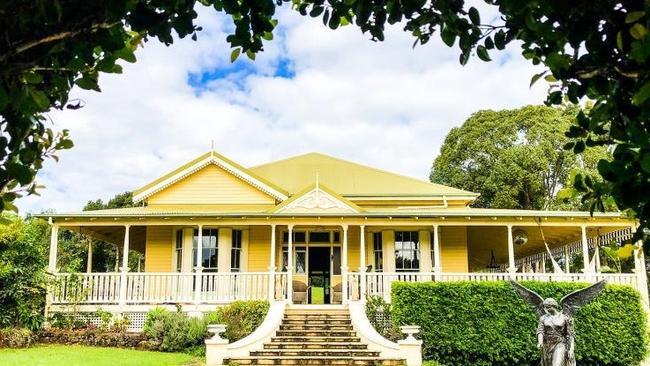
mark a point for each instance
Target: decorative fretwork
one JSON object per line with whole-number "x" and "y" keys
{"x": 536, "y": 262}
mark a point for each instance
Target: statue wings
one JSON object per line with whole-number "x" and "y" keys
{"x": 532, "y": 298}
{"x": 577, "y": 299}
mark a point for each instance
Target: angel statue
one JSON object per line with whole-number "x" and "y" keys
{"x": 555, "y": 334}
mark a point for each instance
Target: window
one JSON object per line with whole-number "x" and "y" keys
{"x": 378, "y": 251}
{"x": 319, "y": 236}
{"x": 235, "y": 251}
{"x": 298, "y": 237}
{"x": 407, "y": 251}
{"x": 337, "y": 237}
{"x": 433, "y": 248}
{"x": 336, "y": 261}
{"x": 210, "y": 249}
{"x": 300, "y": 259}
{"x": 179, "y": 250}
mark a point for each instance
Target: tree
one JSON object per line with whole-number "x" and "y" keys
{"x": 104, "y": 253}
{"x": 514, "y": 158}
{"x": 591, "y": 49}
{"x": 23, "y": 260}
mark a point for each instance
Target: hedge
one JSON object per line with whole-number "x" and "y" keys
{"x": 487, "y": 324}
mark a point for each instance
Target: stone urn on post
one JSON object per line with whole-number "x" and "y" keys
{"x": 215, "y": 347}
{"x": 410, "y": 346}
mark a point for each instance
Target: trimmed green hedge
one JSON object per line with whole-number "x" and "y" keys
{"x": 487, "y": 324}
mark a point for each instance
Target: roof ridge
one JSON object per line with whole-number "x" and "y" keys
{"x": 379, "y": 170}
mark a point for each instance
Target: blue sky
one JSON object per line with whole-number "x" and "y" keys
{"x": 312, "y": 89}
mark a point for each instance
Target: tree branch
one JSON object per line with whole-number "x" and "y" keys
{"x": 55, "y": 37}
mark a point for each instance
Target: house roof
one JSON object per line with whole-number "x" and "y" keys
{"x": 211, "y": 157}
{"x": 348, "y": 179}
{"x": 263, "y": 211}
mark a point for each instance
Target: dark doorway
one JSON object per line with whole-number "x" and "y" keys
{"x": 319, "y": 275}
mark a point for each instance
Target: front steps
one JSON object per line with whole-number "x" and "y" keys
{"x": 319, "y": 336}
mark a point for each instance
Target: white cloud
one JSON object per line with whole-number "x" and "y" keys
{"x": 383, "y": 104}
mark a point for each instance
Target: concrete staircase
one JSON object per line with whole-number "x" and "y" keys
{"x": 316, "y": 336}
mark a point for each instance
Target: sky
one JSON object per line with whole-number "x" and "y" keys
{"x": 382, "y": 104}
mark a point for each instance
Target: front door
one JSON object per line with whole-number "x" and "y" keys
{"x": 319, "y": 275}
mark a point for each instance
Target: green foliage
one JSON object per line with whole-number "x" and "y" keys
{"x": 378, "y": 312}
{"x": 515, "y": 158}
{"x": 23, "y": 253}
{"x": 174, "y": 331}
{"x": 486, "y": 323}
{"x": 240, "y": 317}
{"x": 16, "y": 337}
{"x": 593, "y": 50}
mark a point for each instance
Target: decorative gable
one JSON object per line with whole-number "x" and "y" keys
{"x": 317, "y": 200}
{"x": 210, "y": 179}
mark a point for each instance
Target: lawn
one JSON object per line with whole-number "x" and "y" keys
{"x": 91, "y": 356}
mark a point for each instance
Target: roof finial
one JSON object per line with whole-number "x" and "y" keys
{"x": 211, "y": 145}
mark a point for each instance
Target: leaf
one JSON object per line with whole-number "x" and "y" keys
{"x": 19, "y": 172}
{"x": 536, "y": 77}
{"x": 500, "y": 40}
{"x": 619, "y": 41}
{"x": 251, "y": 55}
{"x": 32, "y": 78}
{"x": 87, "y": 83}
{"x": 482, "y": 53}
{"x": 235, "y": 54}
{"x": 448, "y": 37}
{"x": 316, "y": 11}
{"x": 638, "y": 31}
{"x": 642, "y": 95}
{"x": 474, "y": 16}
{"x": 634, "y": 16}
{"x": 464, "y": 57}
{"x": 41, "y": 100}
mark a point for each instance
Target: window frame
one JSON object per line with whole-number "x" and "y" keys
{"x": 235, "y": 250}
{"x": 402, "y": 252}
{"x": 212, "y": 251}
{"x": 178, "y": 250}
{"x": 378, "y": 251}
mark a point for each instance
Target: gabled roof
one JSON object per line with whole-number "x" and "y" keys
{"x": 316, "y": 198}
{"x": 202, "y": 161}
{"x": 349, "y": 179}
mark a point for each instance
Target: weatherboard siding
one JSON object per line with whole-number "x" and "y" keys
{"x": 210, "y": 185}
{"x": 158, "y": 252}
{"x": 453, "y": 249}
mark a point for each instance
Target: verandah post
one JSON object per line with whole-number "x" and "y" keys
{"x": 290, "y": 265}
{"x": 437, "y": 267}
{"x": 198, "y": 269}
{"x": 585, "y": 250}
{"x": 344, "y": 265}
{"x": 51, "y": 265}
{"x": 272, "y": 265}
{"x": 512, "y": 269}
{"x": 362, "y": 263}
{"x": 54, "y": 244}
{"x": 125, "y": 268}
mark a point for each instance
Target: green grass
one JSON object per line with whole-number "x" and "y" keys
{"x": 91, "y": 356}
{"x": 317, "y": 295}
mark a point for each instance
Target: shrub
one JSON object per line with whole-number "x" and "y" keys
{"x": 92, "y": 336}
{"x": 378, "y": 312}
{"x": 173, "y": 331}
{"x": 241, "y": 318}
{"x": 481, "y": 324}
{"x": 16, "y": 337}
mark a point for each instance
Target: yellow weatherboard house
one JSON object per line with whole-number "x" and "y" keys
{"x": 314, "y": 229}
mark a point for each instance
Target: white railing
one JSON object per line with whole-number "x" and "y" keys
{"x": 96, "y": 288}
{"x": 380, "y": 283}
{"x": 167, "y": 287}
{"x": 227, "y": 287}
{"x": 156, "y": 288}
